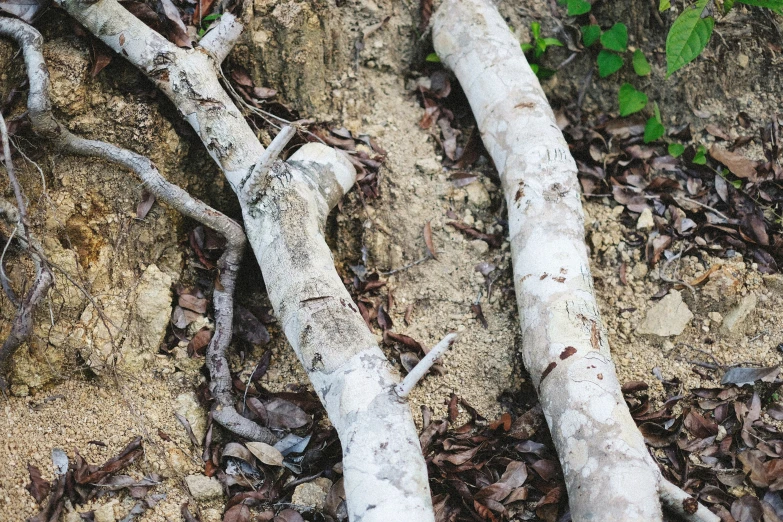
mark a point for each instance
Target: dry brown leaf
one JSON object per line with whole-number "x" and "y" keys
{"x": 738, "y": 164}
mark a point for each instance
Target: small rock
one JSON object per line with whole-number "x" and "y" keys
{"x": 187, "y": 405}
{"x": 177, "y": 459}
{"x": 312, "y": 494}
{"x": 20, "y": 390}
{"x": 72, "y": 516}
{"x": 479, "y": 246}
{"x": 715, "y": 317}
{"x": 774, "y": 282}
{"x": 743, "y": 60}
{"x": 478, "y": 196}
{"x": 669, "y": 316}
{"x": 203, "y": 487}
{"x": 721, "y": 292}
{"x": 639, "y": 271}
{"x": 429, "y": 166}
{"x": 645, "y": 221}
{"x": 735, "y": 317}
{"x": 105, "y": 513}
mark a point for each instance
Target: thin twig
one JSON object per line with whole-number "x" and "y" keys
{"x": 404, "y": 388}
{"x": 716, "y": 211}
{"x": 406, "y": 267}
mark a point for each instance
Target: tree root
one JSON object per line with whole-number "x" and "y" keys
{"x": 284, "y": 211}
{"x": 608, "y": 471}
{"x": 22, "y": 326}
{"x": 46, "y": 125}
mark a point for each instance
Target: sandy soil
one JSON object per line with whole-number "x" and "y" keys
{"x": 374, "y": 99}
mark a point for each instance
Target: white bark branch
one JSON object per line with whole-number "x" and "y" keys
{"x": 415, "y": 375}
{"x": 254, "y": 182}
{"x": 682, "y": 504}
{"x": 608, "y": 472}
{"x": 384, "y": 469}
{"x": 222, "y": 37}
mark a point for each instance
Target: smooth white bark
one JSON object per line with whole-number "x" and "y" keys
{"x": 284, "y": 214}
{"x": 221, "y": 37}
{"x": 608, "y": 472}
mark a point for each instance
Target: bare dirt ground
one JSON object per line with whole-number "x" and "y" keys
{"x": 88, "y": 227}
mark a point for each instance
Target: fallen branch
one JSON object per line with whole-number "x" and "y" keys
{"x": 284, "y": 216}
{"x": 39, "y": 109}
{"x": 608, "y": 472}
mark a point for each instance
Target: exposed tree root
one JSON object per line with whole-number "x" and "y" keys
{"x": 284, "y": 207}
{"x": 608, "y": 471}
{"x": 22, "y": 325}
{"x": 223, "y": 298}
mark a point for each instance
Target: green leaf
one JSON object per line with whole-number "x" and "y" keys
{"x": 534, "y": 66}
{"x": 664, "y": 5}
{"x": 657, "y": 113}
{"x": 590, "y": 34}
{"x": 552, "y": 41}
{"x": 676, "y": 150}
{"x": 630, "y": 100}
{"x": 434, "y": 58}
{"x": 653, "y": 130}
{"x": 544, "y": 73}
{"x": 535, "y": 28}
{"x": 700, "y": 158}
{"x": 737, "y": 183}
{"x": 615, "y": 38}
{"x": 211, "y": 17}
{"x": 770, "y": 4}
{"x": 688, "y": 37}
{"x": 525, "y": 47}
{"x": 578, "y": 7}
{"x": 608, "y": 63}
{"x": 727, "y": 6}
{"x": 640, "y": 64}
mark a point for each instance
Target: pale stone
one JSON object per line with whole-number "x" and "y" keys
{"x": 479, "y": 246}
{"x": 105, "y": 513}
{"x": 715, "y": 317}
{"x": 203, "y": 487}
{"x": 188, "y": 406}
{"x": 737, "y": 315}
{"x": 743, "y": 60}
{"x": 478, "y": 196}
{"x": 639, "y": 271}
{"x": 428, "y": 166}
{"x": 667, "y": 317}
{"x": 178, "y": 460}
{"x": 312, "y": 494}
{"x": 143, "y": 325}
{"x": 645, "y": 221}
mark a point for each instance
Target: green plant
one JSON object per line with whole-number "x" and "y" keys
{"x": 578, "y": 7}
{"x": 640, "y": 64}
{"x": 676, "y": 149}
{"x": 654, "y": 128}
{"x": 700, "y": 158}
{"x": 691, "y": 31}
{"x": 630, "y": 100}
{"x": 432, "y": 58}
{"x": 206, "y": 22}
{"x": 539, "y": 47}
